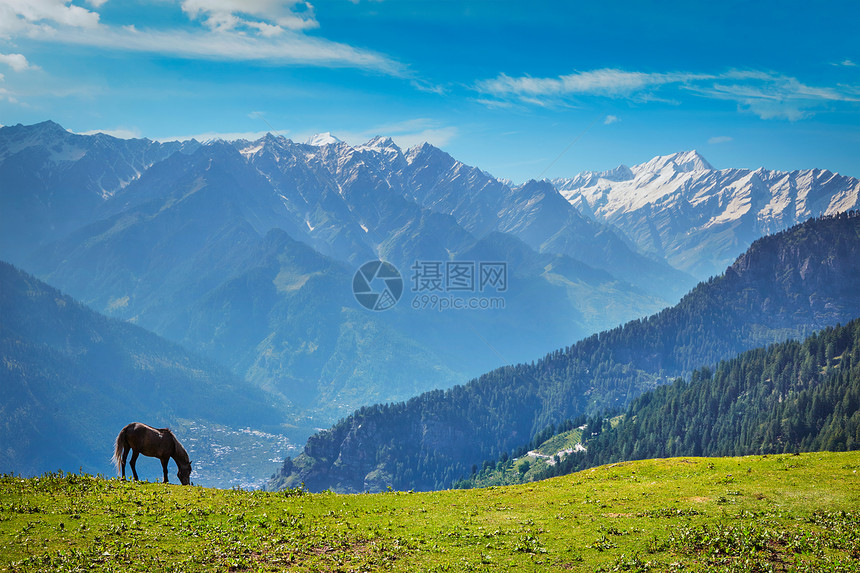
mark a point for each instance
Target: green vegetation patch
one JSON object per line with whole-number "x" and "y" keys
{"x": 760, "y": 513}
{"x": 561, "y": 442}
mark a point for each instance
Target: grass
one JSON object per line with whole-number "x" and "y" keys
{"x": 560, "y": 442}
{"x": 763, "y": 513}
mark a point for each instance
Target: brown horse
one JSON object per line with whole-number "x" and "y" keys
{"x": 161, "y": 444}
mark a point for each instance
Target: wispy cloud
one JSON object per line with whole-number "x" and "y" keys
{"x": 268, "y": 17}
{"x": 774, "y": 96}
{"x": 610, "y": 119}
{"x": 218, "y": 135}
{"x": 766, "y": 94}
{"x": 263, "y": 31}
{"x": 608, "y": 82}
{"x": 719, "y": 139}
{"x": 286, "y": 48}
{"x": 118, "y": 132}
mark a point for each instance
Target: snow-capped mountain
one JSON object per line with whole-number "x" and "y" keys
{"x": 377, "y": 198}
{"x": 245, "y": 251}
{"x": 322, "y": 139}
{"x": 700, "y": 218}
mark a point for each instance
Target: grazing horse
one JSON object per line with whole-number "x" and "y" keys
{"x": 156, "y": 443}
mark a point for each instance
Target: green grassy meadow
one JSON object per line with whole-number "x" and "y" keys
{"x": 759, "y": 513}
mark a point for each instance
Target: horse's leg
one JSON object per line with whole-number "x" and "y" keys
{"x": 134, "y": 454}
{"x": 164, "y": 466}
{"x": 125, "y": 450}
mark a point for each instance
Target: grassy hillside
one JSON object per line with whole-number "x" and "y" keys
{"x": 762, "y": 513}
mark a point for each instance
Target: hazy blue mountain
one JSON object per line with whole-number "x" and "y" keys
{"x": 71, "y": 379}
{"x": 785, "y": 286}
{"x": 53, "y": 181}
{"x": 245, "y": 252}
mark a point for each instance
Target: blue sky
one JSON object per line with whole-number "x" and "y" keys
{"x": 545, "y": 88}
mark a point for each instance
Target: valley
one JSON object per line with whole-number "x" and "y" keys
{"x": 243, "y": 252}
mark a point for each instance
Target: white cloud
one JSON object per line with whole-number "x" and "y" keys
{"x": 766, "y": 94}
{"x": 265, "y": 31}
{"x": 24, "y": 15}
{"x": 7, "y": 95}
{"x": 118, "y": 132}
{"x": 16, "y": 61}
{"x": 286, "y": 48}
{"x": 269, "y": 17}
{"x": 216, "y": 135}
{"x": 610, "y": 119}
{"x": 719, "y": 139}
{"x": 774, "y": 96}
{"x": 428, "y": 87}
{"x": 608, "y": 82}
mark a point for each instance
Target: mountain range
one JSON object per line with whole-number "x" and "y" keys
{"x": 698, "y": 218}
{"x": 245, "y": 253}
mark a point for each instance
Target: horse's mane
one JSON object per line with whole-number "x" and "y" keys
{"x": 181, "y": 454}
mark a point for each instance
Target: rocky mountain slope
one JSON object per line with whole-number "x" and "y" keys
{"x": 700, "y": 218}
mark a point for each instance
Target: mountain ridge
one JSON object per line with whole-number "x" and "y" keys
{"x": 422, "y": 443}
{"x": 700, "y": 218}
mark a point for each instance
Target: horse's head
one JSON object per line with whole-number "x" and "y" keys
{"x": 184, "y": 474}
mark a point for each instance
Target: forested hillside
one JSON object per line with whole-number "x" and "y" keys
{"x": 789, "y": 397}
{"x": 786, "y": 398}
{"x": 785, "y": 286}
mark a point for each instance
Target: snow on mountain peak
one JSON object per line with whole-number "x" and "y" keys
{"x": 380, "y": 144}
{"x": 321, "y": 139}
{"x": 682, "y": 162}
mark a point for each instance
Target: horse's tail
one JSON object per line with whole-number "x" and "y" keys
{"x": 117, "y": 450}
